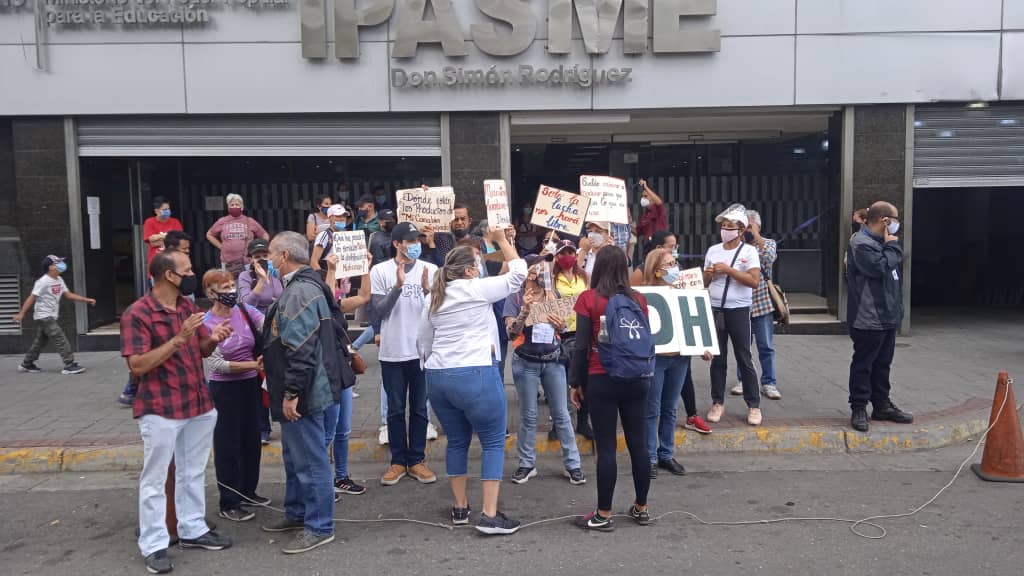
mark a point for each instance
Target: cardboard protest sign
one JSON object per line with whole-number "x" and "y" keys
{"x": 496, "y": 198}
{"x": 427, "y": 207}
{"x": 608, "y": 202}
{"x": 351, "y": 250}
{"x": 681, "y": 320}
{"x": 559, "y": 210}
{"x": 539, "y": 311}
{"x": 692, "y": 279}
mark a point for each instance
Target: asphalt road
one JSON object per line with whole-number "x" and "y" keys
{"x": 83, "y": 524}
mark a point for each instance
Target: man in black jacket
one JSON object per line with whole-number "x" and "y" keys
{"x": 874, "y": 313}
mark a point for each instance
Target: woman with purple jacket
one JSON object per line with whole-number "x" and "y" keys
{"x": 256, "y": 287}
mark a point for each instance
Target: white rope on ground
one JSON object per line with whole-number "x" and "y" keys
{"x": 854, "y": 524}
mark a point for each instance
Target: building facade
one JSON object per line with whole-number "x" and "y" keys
{"x": 802, "y": 110}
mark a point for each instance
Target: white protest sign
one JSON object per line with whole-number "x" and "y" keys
{"x": 607, "y": 199}
{"x": 681, "y": 320}
{"x": 559, "y": 210}
{"x": 496, "y": 198}
{"x": 692, "y": 278}
{"x": 561, "y": 307}
{"x": 427, "y": 207}
{"x": 351, "y": 250}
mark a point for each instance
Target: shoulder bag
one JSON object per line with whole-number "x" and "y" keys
{"x": 719, "y": 313}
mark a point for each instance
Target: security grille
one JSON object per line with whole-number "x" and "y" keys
{"x": 961, "y": 146}
{"x": 10, "y": 304}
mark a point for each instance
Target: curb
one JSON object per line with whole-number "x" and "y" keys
{"x": 820, "y": 439}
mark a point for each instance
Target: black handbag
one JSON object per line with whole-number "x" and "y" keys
{"x": 257, "y": 335}
{"x": 719, "y": 313}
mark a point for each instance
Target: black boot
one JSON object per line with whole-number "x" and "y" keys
{"x": 583, "y": 426}
{"x": 859, "y": 420}
{"x": 889, "y": 412}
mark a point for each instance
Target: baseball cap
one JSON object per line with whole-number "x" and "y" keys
{"x": 601, "y": 225}
{"x": 736, "y": 213}
{"x": 386, "y": 214}
{"x": 405, "y": 231}
{"x": 565, "y": 244}
{"x": 336, "y": 210}
{"x": 51, "y": 260}
{"x": 258, "y": 245}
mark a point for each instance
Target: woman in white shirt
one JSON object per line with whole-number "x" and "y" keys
{"x": 459, "y": 348}
{"x": 732, "y": 270}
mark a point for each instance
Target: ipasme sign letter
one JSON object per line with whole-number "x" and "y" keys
{"x": 424, "y": 207}
{"x": 559, "y": 210}
{"x": 607, "y": 198}
{"x": 496, "y": 197}
{"x": 351, "y": 250}
{"x": 681, "y": 320}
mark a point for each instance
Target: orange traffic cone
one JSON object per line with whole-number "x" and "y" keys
{"x": 1003, "y": 460}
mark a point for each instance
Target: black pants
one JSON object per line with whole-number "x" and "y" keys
{"x": 873, "y": 351}
{"x": 236, "y": 438}
{"x": 737, "y": 329}
{"x": 568, "y": 351}
{"x": 688, "y": 393}
{"x": 608, "y": 402}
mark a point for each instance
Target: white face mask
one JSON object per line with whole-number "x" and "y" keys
{"x": 596, "y": 238}
{"x": 645, "y": 202}
{"x": 893, "y": 227}
{"x": 551, "y": 246}
{"x": 729, "y": 235}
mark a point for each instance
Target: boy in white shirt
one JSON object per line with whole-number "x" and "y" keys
{"x": 398, "y": 287}
{"x": 45, "y": 297}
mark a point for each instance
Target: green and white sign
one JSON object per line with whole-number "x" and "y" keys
{"x": 681, "y": 320}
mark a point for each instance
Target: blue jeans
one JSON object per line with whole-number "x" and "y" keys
{"x": 763, "y": 327}
{"x": 662, "y": 400}
{"x": 366, "y": 336}
{"x": 529, "y": 376}
{"x": 467, "y": 399}
{"x": 337, "y": 429}
{"x": 309, "y": 490}
{"x": 404, "y": 381}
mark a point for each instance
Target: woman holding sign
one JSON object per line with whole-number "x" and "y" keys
{"x": 458, "y": 347}
{"x": 324, "y": 243}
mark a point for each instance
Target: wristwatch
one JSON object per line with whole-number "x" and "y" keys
{"x": 291, "y": 395}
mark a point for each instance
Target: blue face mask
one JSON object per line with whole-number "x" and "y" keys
{"x": 274, "y": 272}
{"x": 339, "y": 226}
{"x": 414, "y": 251}
{"x": 165, "y": 214}
{"x": 323, "y": 209}
{"x": 382, "y": 200}
{"x": 671, "y": 275}
{"x": 62, "y": 267}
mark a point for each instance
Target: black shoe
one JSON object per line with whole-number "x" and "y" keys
{"x": 522, "y": 475}
{"x": 859, "y": 419}
{"x": 674, "y": 468}
{"x": 641, "y": 517}
{"x": 890, "y": 413}
{"x": 654, "y": 471}
{"x": 552, "y": 435}
{"x": 72, "y": 368}
{"x": 594, "y": 521}
{"x": 307, "y": 541}
{"x": 255, "y": 500}
{"x": 237, "y": 514}
{"x": 32, "y": 369}
{"x": 576, "y": 476}
{"x": 284, "y": 525}
{"x": 499, "y": 524}
{"x": 209, "y": 541}
{"x": 583, "y": 429}
{"x": 460, "y": 516}
{"x": 347, "y": 486}
{"x": 158, "y": 562}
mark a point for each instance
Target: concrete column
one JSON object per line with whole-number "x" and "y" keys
{"x": 474, "y": 145}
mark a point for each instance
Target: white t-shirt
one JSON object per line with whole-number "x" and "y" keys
{"x": 398, "y": 329}
{"x": 739, "y": 296}
{"x": 48, "y": 291}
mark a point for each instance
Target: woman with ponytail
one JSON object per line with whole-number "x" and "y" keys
{"x": 459, "y": 348}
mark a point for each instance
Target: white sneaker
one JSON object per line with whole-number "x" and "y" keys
{"x": 354, "y": 393}
{"x": 754, "y": 417}
{"x": 716, "y": 412}
{"x": 771, "y": 391}
{"x": 736, "y": 390}
{"x": 431, "y": 431}
{"x": 382, "y": 437}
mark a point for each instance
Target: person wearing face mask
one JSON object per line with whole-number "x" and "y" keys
{"x": 458, "y": 351}
{"x": 164, "y": 340}
{"x": 732, "y": 270}
{"x": 233, "y": 370}
{"x": 598, "y": 237}
{"x": 156, "y": 227}
{"x": 654, "y": 217}
{"x": 366, "y": 216}
{"x": 380, "y": 198}
{"x": 318, "y": 221}
{"x": 45, "y": 301}
{"x": 528, "y": 236}
{"x": 256, "y": 287}
{"x": 874, "y": 312}
{"x": 571, "y": 280}
{"x": 324, "y": 243}
{"x": 231, "y": 235}
{"x": 443, "y": 242}
{"x": 661, "y": 239}
{"x": 379, "y": 243}
{"x": 398, "y": 287}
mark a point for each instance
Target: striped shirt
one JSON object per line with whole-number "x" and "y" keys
{"x": 762, "y": 302}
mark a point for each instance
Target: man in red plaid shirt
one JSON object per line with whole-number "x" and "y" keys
{"x": 164, "y": 342}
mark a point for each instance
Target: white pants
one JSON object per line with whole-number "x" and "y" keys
{"x": 188, "y": 442}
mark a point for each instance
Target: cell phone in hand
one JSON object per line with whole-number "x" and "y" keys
{"x": 265, "y": 264}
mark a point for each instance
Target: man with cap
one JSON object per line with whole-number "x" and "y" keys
{"x": 45, "y": 297}
{"x": 398, "y": 287}
{"x": 256, "y": 287}
{"x": 380, "y": 241}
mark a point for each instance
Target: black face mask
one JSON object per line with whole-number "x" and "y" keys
{"x": 460, "y": 233}
{"x": 388, "y": 226}
{"x": 188, "y": 284}
{"x": 228, "y": 299}
{"x": 856, "y": 226}
{"x": 748, "y": 237}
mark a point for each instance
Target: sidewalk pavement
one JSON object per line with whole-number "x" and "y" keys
{"x": 944, "y": 372}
